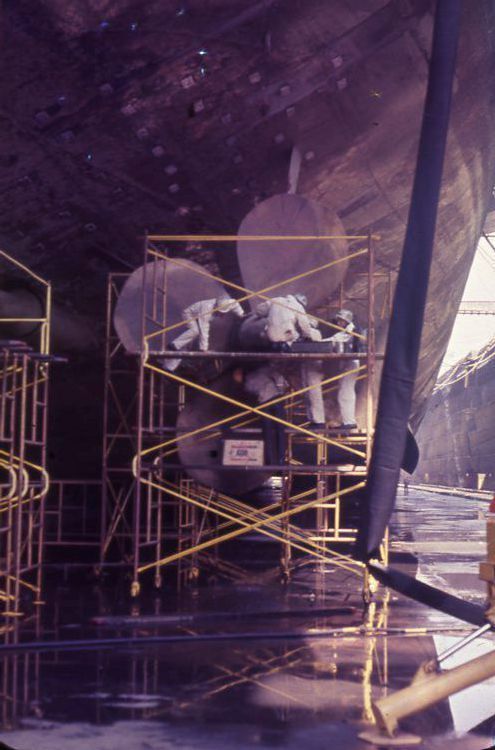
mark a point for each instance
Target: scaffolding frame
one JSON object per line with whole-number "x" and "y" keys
{"x": 119, "y": 437}
{"x": 239, "y": 517}
{"x": 153, "y": 515}
{"x": 24, "y": 380}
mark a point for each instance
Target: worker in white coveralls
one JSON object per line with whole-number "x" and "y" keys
{"x": 198, "y": 317}
{"x": 288, "y": 321}
{"x": 345, "y": 342}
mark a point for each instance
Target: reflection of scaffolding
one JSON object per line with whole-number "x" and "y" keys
{"x": 19, "y": 683}
{"x": 187, "y": 520}
{"x": 304, "y": 674}
{"x": 23, "y": 427}
{"x": 285, "y": 675}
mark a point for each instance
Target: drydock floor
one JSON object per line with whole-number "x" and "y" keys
{"x": 308, "y": 692}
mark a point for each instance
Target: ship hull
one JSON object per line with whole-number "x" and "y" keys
{"x": 457, "y": 435}
{"x": 152, "y": 134}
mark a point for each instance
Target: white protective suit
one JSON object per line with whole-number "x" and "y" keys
{"x": 198, "y": 317}
{"x": 287, "y": 321}
{"x": 346, "y": 396}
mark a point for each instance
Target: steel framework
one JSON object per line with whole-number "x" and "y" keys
{"x": 24, "y": 372}
{"x": 119, "y": 438}
{"x": 175, "y": 519}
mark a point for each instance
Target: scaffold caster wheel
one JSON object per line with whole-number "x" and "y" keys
{"x": 375, "y": 737}
{"x": 135, "y": 589}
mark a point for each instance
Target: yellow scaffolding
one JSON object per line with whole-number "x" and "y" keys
{"x": 24, "y": 373}
{"x": 204, "y": 518}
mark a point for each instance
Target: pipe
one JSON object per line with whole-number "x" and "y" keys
{"x": 89, "y": 644}
{"x": 426, "y": 689}
{"x": 158, "y": 620}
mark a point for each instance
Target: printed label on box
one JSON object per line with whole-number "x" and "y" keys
{"x": 243, "y": 453}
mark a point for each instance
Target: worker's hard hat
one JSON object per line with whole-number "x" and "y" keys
{"x": 345, "y": 315}
{"x": 302, "y": 299}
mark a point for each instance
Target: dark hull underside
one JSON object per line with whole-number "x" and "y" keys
{"x": 112, "y": 131}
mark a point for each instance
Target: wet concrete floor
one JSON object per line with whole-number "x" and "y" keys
{"x": 303, "y": 680}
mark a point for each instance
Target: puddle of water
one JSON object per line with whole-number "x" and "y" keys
{"x": 310, "y": 693}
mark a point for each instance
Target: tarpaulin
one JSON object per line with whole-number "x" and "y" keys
{"x": 406, "y": 323}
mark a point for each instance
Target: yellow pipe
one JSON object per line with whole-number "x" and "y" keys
{"x": 279, "y": 537}
{"x": 239, "y": 415}
{"x": 22, "y": 320}
{"x": 251, "y": 420}
{"x": 263, "y": 514}
{"x": 250, "y": 293}
{"x": 252, "y": 409}
{"x": 23, "y": 267}
{"x": 255, "y": 237}
{"x": 250, "y": 527}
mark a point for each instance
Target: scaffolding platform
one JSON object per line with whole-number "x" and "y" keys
{"x": 155, "y": 513}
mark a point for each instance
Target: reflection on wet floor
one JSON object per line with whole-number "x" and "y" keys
{"x": 307, "y": 680}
